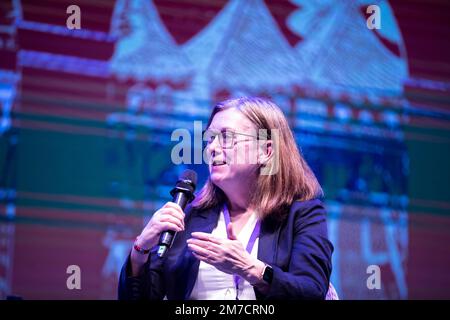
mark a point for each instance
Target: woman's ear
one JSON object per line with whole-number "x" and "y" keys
{"x": 265, "y": 152}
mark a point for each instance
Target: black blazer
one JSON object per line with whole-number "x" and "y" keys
{"x": 297, "y": 248}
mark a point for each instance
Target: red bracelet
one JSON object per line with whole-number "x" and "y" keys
{"x": 139, "y": 249}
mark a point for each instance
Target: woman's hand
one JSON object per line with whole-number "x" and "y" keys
{"x": 169, "y": 217}
{"x": 227, "y": 255}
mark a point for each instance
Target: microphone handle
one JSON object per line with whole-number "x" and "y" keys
{"x": 181, "y": 199}
{"x": 167, "y": 237}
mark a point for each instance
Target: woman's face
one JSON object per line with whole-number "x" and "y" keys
{"x": 235, "y": 165}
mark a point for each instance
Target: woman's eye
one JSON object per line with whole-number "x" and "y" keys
{"x": 227, "y": 137}
{"x": 209, "y": 137}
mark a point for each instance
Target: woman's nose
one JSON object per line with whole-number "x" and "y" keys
{"x": 214, "y": 145}
{"x": 214, "y": 148}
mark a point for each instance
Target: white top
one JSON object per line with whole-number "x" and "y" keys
{"x": 212, "y": 284}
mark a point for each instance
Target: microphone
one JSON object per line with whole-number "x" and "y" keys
{"x": 182, "y": 194}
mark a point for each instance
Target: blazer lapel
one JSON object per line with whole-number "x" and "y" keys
{"x": 268, "y": 236}
{"x": 267, "y": 248}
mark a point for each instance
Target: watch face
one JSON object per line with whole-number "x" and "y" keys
{"x": 268, "y": 274}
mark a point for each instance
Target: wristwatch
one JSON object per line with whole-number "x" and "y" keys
{"x": 267, "y": 274}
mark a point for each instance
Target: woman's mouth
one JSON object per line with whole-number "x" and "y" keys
{"x": 217, "y": 163}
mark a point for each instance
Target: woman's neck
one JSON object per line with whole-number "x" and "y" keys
{"x": 237, "y": 202}
{"x": 239, "y": 198}
{"x": 239, "y": 209}
{"x": 239, "y": 215}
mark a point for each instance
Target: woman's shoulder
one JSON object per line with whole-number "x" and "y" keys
{"x": 309, "y": 215}
{"x": 305, "y": 205}
{"x": 308, "y": 209}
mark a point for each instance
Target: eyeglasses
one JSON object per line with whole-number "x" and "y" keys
{"x": 227, "y": 138}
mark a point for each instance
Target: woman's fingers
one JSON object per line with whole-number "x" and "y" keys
{"x": 170, "y": 226}
{"x": 200, "y": 257}
{"x": 173, "y": 219}
{"x": 206, "y": 237}
{"x": 168, "y": 214}
{"x": 199, "y": 250}
{"x": 176, "y": 207}
{"x": 173, "y": 212}
{"x": 168, "y": 217}
{"x": 207, "y": 245}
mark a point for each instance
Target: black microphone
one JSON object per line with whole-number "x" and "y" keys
{"x": 182, "y": 194}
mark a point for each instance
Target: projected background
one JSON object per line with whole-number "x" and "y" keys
{"x": 86, "y": 119}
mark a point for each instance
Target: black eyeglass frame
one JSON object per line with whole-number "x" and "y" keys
{"x": 220, "y": 134}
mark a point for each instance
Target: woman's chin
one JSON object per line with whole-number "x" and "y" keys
{"x": 217, "y": 177}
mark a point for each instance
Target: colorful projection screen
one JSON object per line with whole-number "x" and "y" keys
{"x": 87, "y": 116}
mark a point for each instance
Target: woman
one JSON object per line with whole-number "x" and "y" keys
{"x": 256, "y": 230}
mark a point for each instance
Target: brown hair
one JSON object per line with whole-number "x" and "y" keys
{"x": 274, "y": 193}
